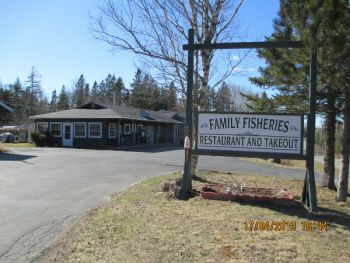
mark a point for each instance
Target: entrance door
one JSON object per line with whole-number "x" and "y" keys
{"x": 150, "y": 134}
{"x": 67, "y": 134}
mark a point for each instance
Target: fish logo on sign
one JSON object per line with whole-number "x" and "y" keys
{"x": 205, "y": 125}
{"x": 293, "y": 128}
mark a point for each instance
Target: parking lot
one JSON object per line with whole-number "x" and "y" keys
{"x": 42, "y": 190}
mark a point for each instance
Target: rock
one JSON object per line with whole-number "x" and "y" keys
{"x": 173, "y": 188}
{"x": 164, "y": 187}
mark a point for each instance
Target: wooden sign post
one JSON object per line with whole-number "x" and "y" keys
{"x": 239, "y": 134}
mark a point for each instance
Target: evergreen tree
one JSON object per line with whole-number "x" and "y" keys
{"x": 63, "y": 100}
{"x": 95, "y": 94}
{"x": 154, "y": 97}
{"x": 260, "y": 103}
{"x": 139, "y": 93}
{"x": 79, "y": 97}
{"x": 171, "y": 97}
{"x": 109, "y": 92}
{"x": 120, "y": 90}
{"x": 211, "y": 99}
{"x": 102, "y": 91}
{"x": 43, "y": 105}
{"x": 5, "y": 96}
{"x": 287, "y": 70}
{"x": 17, "y": 101}
{"x": 125, "y": 97}
{"x": 33, "y": 91}
{"x": 53, "y": 103}
{"x": 222, "y": 100}
{"x": 87, "y": 93}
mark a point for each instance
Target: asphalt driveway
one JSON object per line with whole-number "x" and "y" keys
{"x": 42, "y": 190}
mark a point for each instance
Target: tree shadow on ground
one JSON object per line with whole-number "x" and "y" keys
{"x": 202, "y": 180}
{"x": 5, "y": 156}
{"x": 331, "y": 216}
{"x": 148, "y": 148}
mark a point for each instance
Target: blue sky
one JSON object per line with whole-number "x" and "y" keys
{"x": 54, "y": 36}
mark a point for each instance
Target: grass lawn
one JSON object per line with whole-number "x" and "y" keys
{"x": 5, "y": 146}
{"x": 296, "y": 164}
{"x": 16, "y": 145}
{"x": 141, "y": 225}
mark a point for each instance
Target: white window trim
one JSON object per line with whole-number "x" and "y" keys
{"x": 109, "y": 130}
{"x": 125, "y": 125}
{"x": 99, "y": 123}
{"x": 42, "y": 122}
{"x": 60, "y": 123}
{"x": 84, "y": 129}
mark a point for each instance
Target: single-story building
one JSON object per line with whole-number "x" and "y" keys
{"x": 94, "y": 125}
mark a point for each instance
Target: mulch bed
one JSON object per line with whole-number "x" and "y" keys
{"x": 227, "y": 192}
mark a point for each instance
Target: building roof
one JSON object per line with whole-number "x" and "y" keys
{"x": 93, "y": 110}
{"x": 5, "y": 106}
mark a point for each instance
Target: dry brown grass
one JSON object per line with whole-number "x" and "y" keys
{"x": 294, "y": 164}
{"x": 141, "y": 225}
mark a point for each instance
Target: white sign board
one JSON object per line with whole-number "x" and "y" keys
{"x": 245, "y": 132}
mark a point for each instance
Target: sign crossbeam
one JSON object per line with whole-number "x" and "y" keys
{"x": 242, "y": 45}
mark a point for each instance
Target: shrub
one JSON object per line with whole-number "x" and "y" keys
{"x": 41, "y": 140}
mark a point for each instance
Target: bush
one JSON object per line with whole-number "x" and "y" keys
{"x": 41, "y": 140}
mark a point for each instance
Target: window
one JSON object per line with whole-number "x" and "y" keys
{"x": 95, "y": 130}
{"x": 139, "y": 128}
{"x": 42, "y": 127}
{"x": 55, "y": 129}
{"x": 127, "y": 128}
{"x": 80, "y": 129}
{"x": 112, "y": 130}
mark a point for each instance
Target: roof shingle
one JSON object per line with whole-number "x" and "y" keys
{"x": 101, "y": 111}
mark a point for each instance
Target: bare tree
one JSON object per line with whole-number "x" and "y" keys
{"x": 238, "y": 101}
{"x": 156, "y": 30}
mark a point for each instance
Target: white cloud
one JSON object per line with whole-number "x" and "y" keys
{"x": 252, "y": 69}
{"x": 234, "y": 58}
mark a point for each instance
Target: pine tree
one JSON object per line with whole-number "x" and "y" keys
{"x": 34, "y": 92}
{"x": 125, "y": 97}
{"x": 17, "y": 101}
{"x": 43, "y": 105}
{"x": 120, "y": 90}
{"x": 79, "y": 91}
{"x": 288, "y": 69}
{"x": 172, "y": 97}
{"x": 102, "y": 91}
{"x": 109, "y": 92}
{"x": 139, "y": 92}
{"x": 63, "y": 100}
{"x": 222, "y": 100}
{"x": 5, "y": 96}
{"x": 53, "y": 103}
{"x": 95, "y": 94}
{"x": 260, "y": 103}
{"x": 87, "y": 93}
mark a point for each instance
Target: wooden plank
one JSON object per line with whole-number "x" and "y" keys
{"x": 190, "y": 67}
{"x": 311, "y": 133}
{"x": 243, "y": 45}
{"x": 250, "y": 154}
